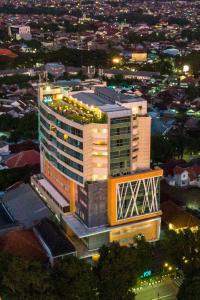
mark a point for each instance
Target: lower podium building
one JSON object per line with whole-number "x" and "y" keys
{"x": 95, "y": 165}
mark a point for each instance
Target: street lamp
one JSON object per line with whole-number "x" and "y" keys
{"x": 186, "y": 68}
{"x": 116, "y": 60}
{"x": 166, "y": 265}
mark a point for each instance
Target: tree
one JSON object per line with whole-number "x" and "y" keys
{"x": 73, "y": 279}
{"x": 186, "y": 253}
{"x": 27, "y": 280}
{"x": 192, "y": 92}
{"x": 7, "y": 122}
{"x": 4, "y": 35}
{"x": 161, "y": 149}
{"x": 144, "y": 254}
{"x": 33, "y": 44}
{"x": 27, "y": 128}
{"x": 5, "y": 260}
{"x": 166, "y": 66}
{"x": 116, "y": 272}
{"x": 9, "y": 176}
{"x": 178, "y": 21}
{"x": 190, "y": 289}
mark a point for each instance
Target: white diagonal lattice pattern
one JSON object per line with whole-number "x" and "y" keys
{"x": 137, "y": 197}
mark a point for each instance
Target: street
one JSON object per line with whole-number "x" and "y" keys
{"x": 165, "y": 290}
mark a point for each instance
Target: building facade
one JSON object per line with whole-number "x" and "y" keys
{"x": 19, "y": 32}
{"x": 95, "y": 153}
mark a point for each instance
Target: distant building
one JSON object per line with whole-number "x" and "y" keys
{"x": 25, "y": 206}
{"x": 25, "y": 49}
{"x": 161, "y": 126}
{"x": 8, "y": 53}
{"x": 172, "y": 51}
{"x": 55, "y": 69}
{"x": 7, "y": 222}
{"x": 22, "y": 243}
{"x": 185, "y": 176}
{"x": 139, "y": 54}
{"x": 4, "y": 149}
{"x": 24, "y": 158}
{"x": 19, "y": 32}
{"x": 140, "y": 75}
{"x": 177, "y": 219}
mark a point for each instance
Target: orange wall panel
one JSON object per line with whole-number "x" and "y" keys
{"x": 112, "y": 196}
{"x": 65, "y": 186}
{"x": 125, "y": 235}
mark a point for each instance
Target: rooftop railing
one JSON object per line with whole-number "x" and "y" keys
{"x": 76, "y": 111}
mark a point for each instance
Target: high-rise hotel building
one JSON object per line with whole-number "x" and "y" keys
{"x": 95, "y": 164}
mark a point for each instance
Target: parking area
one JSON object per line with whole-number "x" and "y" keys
{"x": 165, "y": 290}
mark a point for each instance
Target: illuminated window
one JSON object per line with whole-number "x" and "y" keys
{"x": 65, "y": 136}
{"x": 104, "y": 130}
{"x": 100, "y": 153}
{"x": 94, "y": 177}
{"x": 58, "y": 97}
{"x": 47, "y": 88}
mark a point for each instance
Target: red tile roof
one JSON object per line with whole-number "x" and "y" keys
{"x": 173, "y": 214}
{"x": 22, "y": 243}
{"x": 178, "y": 170}
{"x": 24, "y": 158}
{"x": 193, "y": 171}
{"x": 7, "y": 52}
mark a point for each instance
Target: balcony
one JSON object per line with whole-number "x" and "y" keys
{"x": 99, "y": 147}
{"x": 135, "y": 131}
{"x": 135, "y": 150}
{"x": 135, "y": 124}
{"x": 100, "y": 160}
{"x": 135, "y": 144}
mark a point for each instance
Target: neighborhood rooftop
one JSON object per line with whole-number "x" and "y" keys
{"x": 54, "y": 238}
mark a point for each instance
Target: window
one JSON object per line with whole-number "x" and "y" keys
{"x": 120, "y": 142}
{"x": 70, "y": 173}
{"x": 119, "y": 165}
{"x": 70, "y": 140}
{"x": 70, "y": 162}
{"x": 120, "y": 120}
{"x": 69, "y": 128}
{"x": 70, "y": 151}
{"x": 119, "y": 131}
{"x": 122, "y": 153}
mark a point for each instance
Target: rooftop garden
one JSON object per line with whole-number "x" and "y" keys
{"x": 76, "y": 111}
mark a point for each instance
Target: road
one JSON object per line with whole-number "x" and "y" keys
{"x": 165, "y": 290}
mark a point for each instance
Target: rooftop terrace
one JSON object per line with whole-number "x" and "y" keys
{"x": 76, "y": 110}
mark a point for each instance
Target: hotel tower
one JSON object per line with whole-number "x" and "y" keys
{"x": 95, "y": 164}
